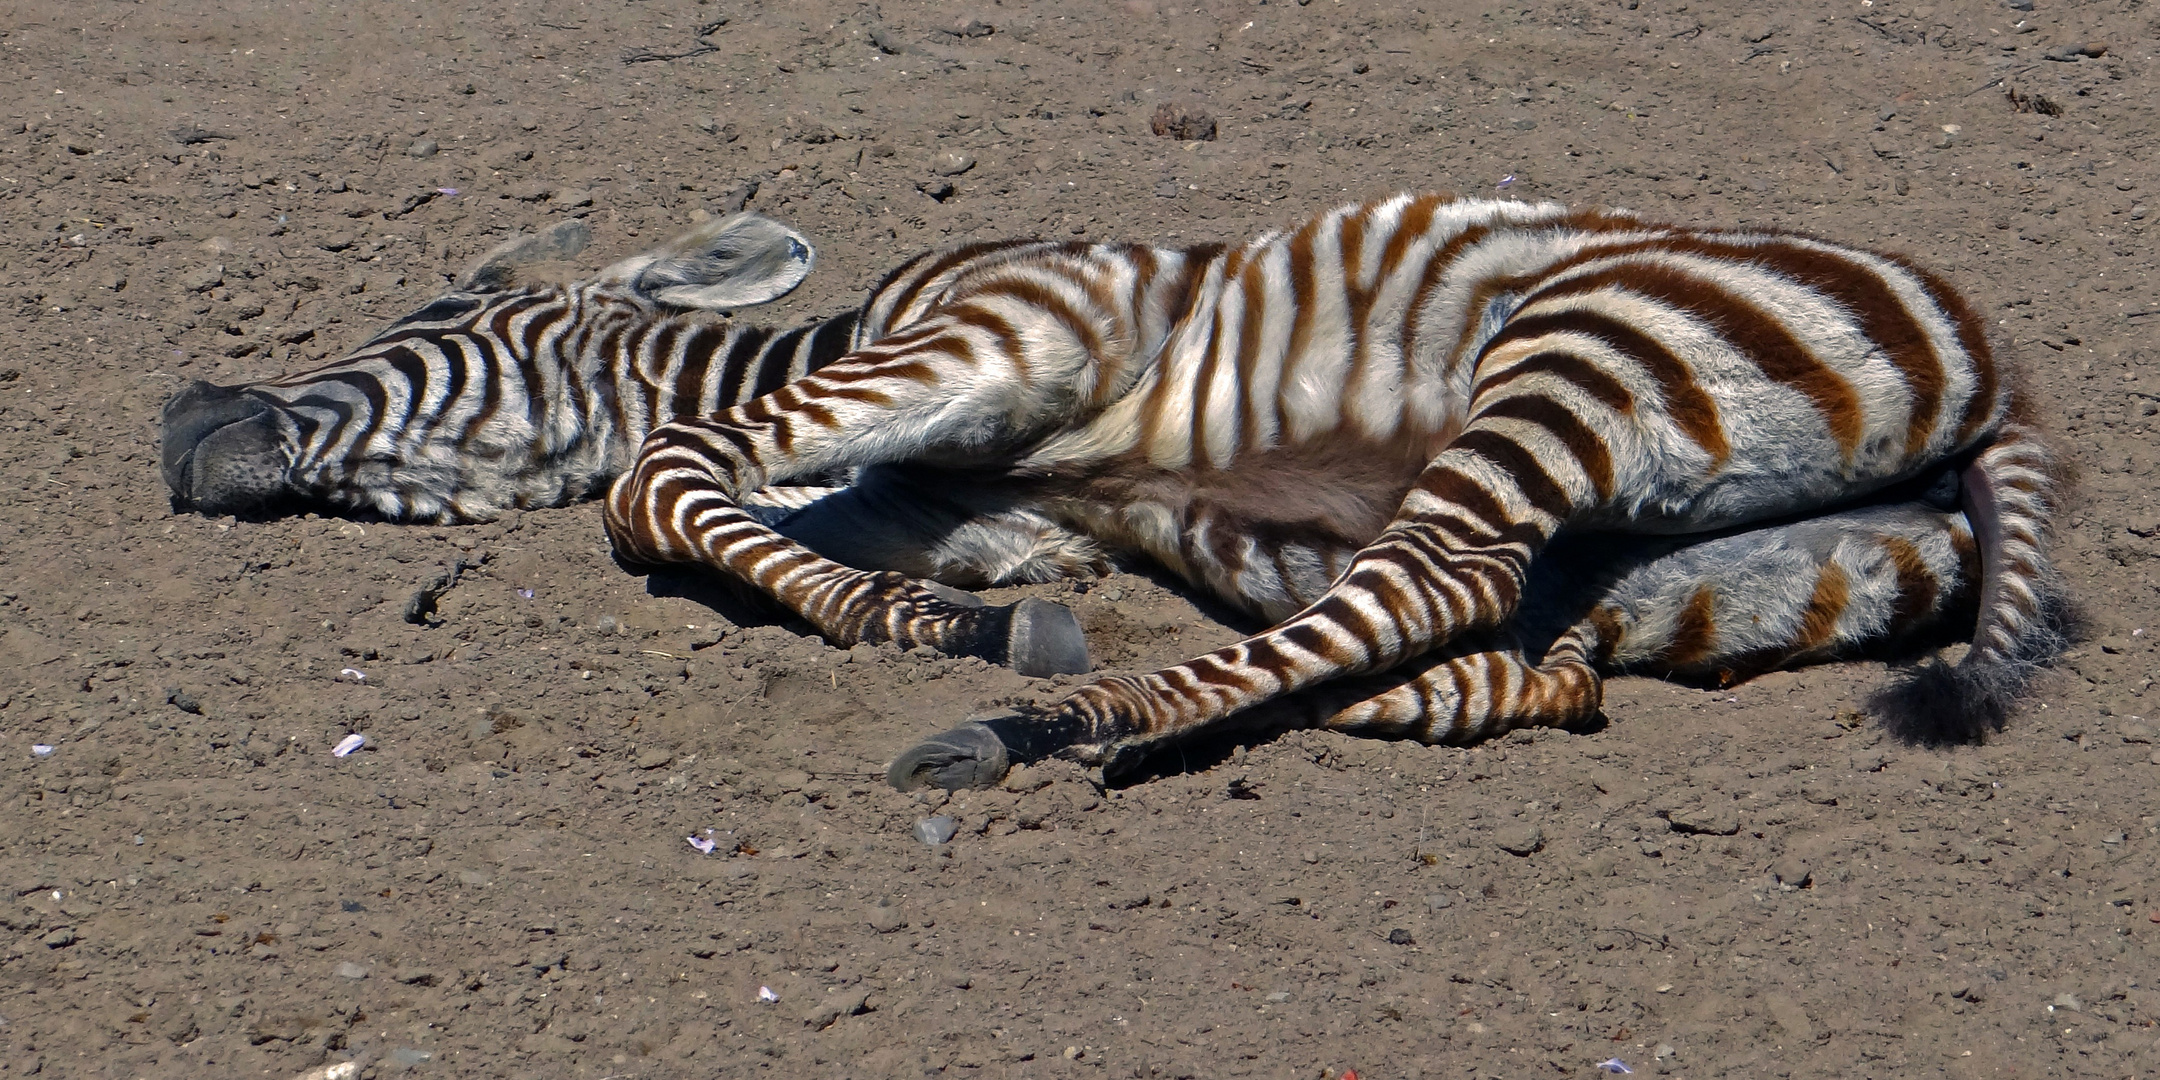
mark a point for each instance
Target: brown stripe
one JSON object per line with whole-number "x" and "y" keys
{"x": 1252, "y": 289}
{"x": 997, "y": 326}
{"x": 858, "y": 371}
{"x": 1350, "y": 242}
{"x": 1036, "y": 294}
{"x": 1521, "y": 466}
{"x": 1605, "y": 622}
{"x": 953, "y": 345}
{"x": 1569, "y": 368}
{"x": 1760, "y": 336}
{"x": 1460, "y": 679}
{"x": 1566, "y": 427}
{"x": 939, "y": 264}
{"x": 1308, "y": 637}
{"x": 1972, "y": 337}
{"x": 1458, "y": 490}
{"x": 1883, "y": 318}
{"x": 1415, "y": 219}
{"x": 697, "y": 353}
{"x": 1686, "y": 403}
{"x": 1202, "y": 379}
{"x": 1968, "y": 553}
{"x": 1301, "y": 302}
{"x": 1916, "y": 585}
{"x": 1694, "y": 631}
{"x": 1436, "y": 267}
{"x": 866, "y": 395}
{"x": 1819, "y": 624}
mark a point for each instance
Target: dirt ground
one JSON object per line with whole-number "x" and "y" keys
{"x": 1741, "y": 883}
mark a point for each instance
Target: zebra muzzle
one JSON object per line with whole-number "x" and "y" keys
{"x": 221, "y": 450}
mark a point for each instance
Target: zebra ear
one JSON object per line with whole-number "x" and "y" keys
{"x": 498, "y": 269}
{"x": 723, "y": 264}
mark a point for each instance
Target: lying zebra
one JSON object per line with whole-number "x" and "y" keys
{"x": 1368, "y": 431}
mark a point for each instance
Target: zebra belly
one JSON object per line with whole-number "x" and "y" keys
{"x": 1269, "y": 534}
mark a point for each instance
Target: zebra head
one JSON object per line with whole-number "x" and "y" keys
{"x": 498, "y": 393}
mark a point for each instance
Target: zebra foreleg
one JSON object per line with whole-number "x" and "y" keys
{"x": 680, "y": 474}
{"x": 682, "y": 500}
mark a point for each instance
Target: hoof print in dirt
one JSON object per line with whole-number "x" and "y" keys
{"x": 968, "y": 756}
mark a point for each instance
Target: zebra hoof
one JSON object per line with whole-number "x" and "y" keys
{"x": 1046, "y": 639}
{"x": 955, "y": 597}
{"x": 968, "y": 756}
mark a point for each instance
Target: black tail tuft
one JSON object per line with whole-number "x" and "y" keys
{"x": 1940, "y": 704}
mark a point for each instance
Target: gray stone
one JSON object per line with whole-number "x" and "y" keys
{"x": 949, "y": 163}
{"x": 349, "y": 970}
{"x": 936, "y": 830}
{"x": 203, "y": 279}
{"x": 1519, "y": 839}
{"x": 1792, "y": 873}
{"x": 1705, "y": 820}
{"x": 884, "y": 918}
{"x": 423, "y": 148}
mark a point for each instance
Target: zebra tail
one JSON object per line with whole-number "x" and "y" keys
{"x": 2025, "y": 617}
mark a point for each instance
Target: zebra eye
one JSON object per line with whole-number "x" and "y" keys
{"x": 443, "y": 310}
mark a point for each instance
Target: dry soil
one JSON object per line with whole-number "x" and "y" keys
{"x": 1752, "y": 882}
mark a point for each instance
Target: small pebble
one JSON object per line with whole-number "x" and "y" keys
{"x": 1439, "y": 902}
{"x": 936, "y": 830}
{"x": 42, "y": 749}
{"x": 60, "y": 938}
{"x": 1792, "y": 873}
{"x": 1400, "y": 936}
{"x": 948, "y": 163}
{"x": 766, "y": 995}
{"x": 348, "y": 744}
{"x": 1520, "y": 839}
{"x": 2069, "y": 1002}
{"x": 884, "y": 918}
{"x": 349, "y": 970}
{"x": 408, "y": 1056}
{"x": 1278, "y": 997}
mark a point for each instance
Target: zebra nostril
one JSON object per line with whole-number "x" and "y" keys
{"x": 218, "y": 446}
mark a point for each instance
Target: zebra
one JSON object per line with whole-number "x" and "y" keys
{"x": 509, "y": 393}
{"x": 1367, "y": 430}
{"x": 920, "y": 519}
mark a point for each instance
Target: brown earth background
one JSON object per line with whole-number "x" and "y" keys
{"x": 1752, "y": 882}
